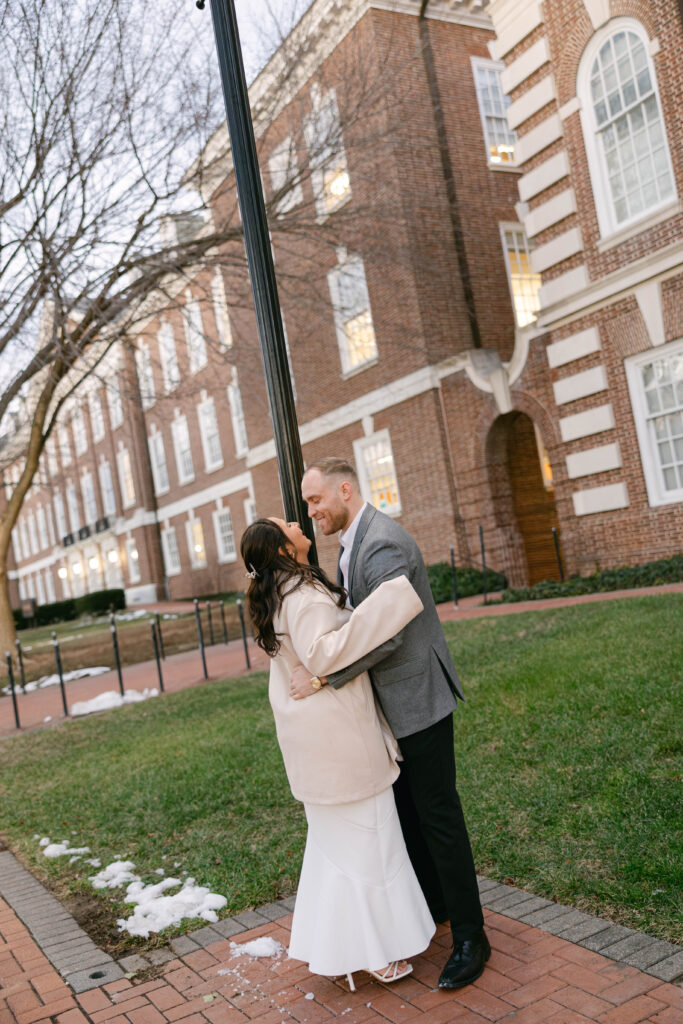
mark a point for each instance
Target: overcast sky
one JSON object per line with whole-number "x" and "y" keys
{"x": 258, "y": 24}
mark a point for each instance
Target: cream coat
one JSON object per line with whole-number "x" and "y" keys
{"x": 334, "y": 745}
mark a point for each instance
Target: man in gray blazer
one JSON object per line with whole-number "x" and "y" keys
{"x": 417, "y": 686}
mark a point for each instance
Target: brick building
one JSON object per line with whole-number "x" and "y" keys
{"x": 484, "y": 315}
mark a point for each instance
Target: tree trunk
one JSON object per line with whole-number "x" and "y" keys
{"x": 8, "y": 633}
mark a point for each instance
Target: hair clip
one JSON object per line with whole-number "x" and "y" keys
{"x": 252, "y": 574}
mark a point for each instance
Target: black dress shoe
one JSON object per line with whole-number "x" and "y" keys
{"x": 466, "y": 962}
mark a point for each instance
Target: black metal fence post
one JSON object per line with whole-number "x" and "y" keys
{"x": 210, "y": 621}
{"x": 455, "y": 578}
{"x": 240, "y": 612}
{"x": 483, "y": 561}
{"x": 60, "y": 673}
{"x": 20, "y": 659}
{"x": 115, "y": 642}
{"x": 10, "y": 673}
{"x": 200, "y": 637}
{"x": 156, "y": 654}
{"x": 160, "y": 637}
{"x": 556, "y": 542}
{"x": 225, "y": 628}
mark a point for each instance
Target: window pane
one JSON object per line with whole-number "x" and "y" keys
{"x": 499, "y": 137}
{"x": 380, "y": 475}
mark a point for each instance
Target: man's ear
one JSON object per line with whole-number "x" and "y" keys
{"x": 346, "y": 490}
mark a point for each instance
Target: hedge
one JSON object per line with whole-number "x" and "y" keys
{"x": 96, "y": 603}
{"x": 651, "y": 574}
{"x": 470, "y": 581}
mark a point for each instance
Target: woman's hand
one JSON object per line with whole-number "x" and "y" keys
{"x": 300, "y": 683}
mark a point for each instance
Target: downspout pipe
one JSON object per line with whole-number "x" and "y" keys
{"x": 449, "y": 178}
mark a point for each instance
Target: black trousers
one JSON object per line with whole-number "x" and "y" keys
{"x": 434, "y": 827}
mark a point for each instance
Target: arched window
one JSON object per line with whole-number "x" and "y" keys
{"x": 623, "y": 126}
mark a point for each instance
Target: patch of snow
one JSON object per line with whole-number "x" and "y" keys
{"x": 120, "y": 872}
{"x": 62, "y": 849}
{"x": 48, "y": 718}
{"x": 309, "y": 995}
{"x": 72, "y": 860}
{"x": 44, "y": 841}
{"x": 53, "y": 679}
{"x": 159, "y": 871}
{"x": 155, "y": 911}
{"x": 95, "y": 862}
{"x": 265, "y": 946}
{"x": 169, "y": 615}
{"x": 111, "y": 699}
{"x": 131, "y": 616}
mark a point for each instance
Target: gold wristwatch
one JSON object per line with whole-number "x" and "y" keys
{"x": 316, "y": 682}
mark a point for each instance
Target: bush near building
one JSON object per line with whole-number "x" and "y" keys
{"x": 470, "y": 581}
{"x": 97, "y": 603}
{"x": 651, "y": 574}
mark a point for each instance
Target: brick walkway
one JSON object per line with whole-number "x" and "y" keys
{"x": 532, "y": 978}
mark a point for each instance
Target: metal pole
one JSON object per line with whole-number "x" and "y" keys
{"x": 260, "y": 260}
{"x": 557, "y": 555}
{"x": 483, "y": 561}
{"x": 225, "y": 628}
{"x": 200, "y": 636}
{"x": 115, "y": 642}
{"x": 156, "y": 654}
{"x": 20, "y": 658}
{"x": 161, "y": 639}
{"x": 240, "y": 612}
{"x": 11, "y": 687}
{"x": 455, "y": 578}
{"x": 58, "y": 659}
{"x": 208, "y": 613}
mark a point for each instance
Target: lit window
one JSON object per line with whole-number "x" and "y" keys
{"x": 208, "y": 429}
{"x": 183, "y": 450}
{"x": 524, "y": 281}
{"x": 114, "y": 402}
{"x": 329, "y": 167}
{"x": 220, "y": 310}
{"x": 158, "y": 461}
{"x": 74, "y": 510}
{"x": 544, "y": 461}
{"x": 63, "y": 574}
{"x": 64, "y": 446}
{"x": 656, "y": 386}
{"x": 107, "y": 488}
{"x": 89, "y": 502}
{"x": 626, "y": 140}
{"x": 493, "y": 103}
{"x": 353, "y": 319}
{"x": 377, "y": 473}
{"x": 134, "y": 571}
{"x": 126, "y": 481}
{"x": 194, "y": 333}
{"x": 143, "y": 361}
{"x": 169, "y": 544}
{"x": 225, "y": 535}
{"x": 284, "y": 176}
{"x": 168, "y": 357}
{"x": 239, "y": 428}
{"x": 195, "y": 543}
{"x": 96, "y": 416}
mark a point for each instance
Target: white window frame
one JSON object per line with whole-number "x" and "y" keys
{"x": 133, "y": 561}
{"x": 32, "y": 533}
{"x": 359, "y": 448}
{"x": 168, "y": 357}
{"x": 504, "y": 227}
{"x": 52, "y": 464}
{"x": 157, "y": 458}
{"x": 24, "y": 538}
{"x": 145, "y": 371}
{"x": 341, "y": 319}
{"x": 194, "y": 333}
{"x": 250, "y": 513}
{"x": 239, "y": 426}
{"x": 79, "y": 431}
{"x": 208, "y": 432}
{"x": 224, "y": 555}
{"x": 493, "y": 65}
{"x": 49, "y": 586}
{"x": 16, "y": 546}
{"x": 64, "y": 446}
{"x": 40, "y": 589}
{"x": 326, "y": 152}
{"x": 50, "y": 524}
{"x": 73, "y": 508}
{"x": 283, "y": 167}
{"x": 89, "y": 497}
{"x": 195, "y": 562}
{"x": 42, "y": 527}
{"x": 604, "y": 207}
{"x": 107, "y": 488}
{"x": 115, "y": 402}
{"x": 172, "y": 565}
{"x": 181, "y": 431}
{"x": 124, "y": 464}
{"x": 96, "y": 416}
{"x": 61, "y": 521}
{"x": 220, "y": 310}
{"x": 656, "y": 492}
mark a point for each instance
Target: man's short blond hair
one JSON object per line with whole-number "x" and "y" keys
{"x": 331, "y": 465}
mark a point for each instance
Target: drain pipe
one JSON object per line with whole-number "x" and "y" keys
{"x": 449, "y": 178}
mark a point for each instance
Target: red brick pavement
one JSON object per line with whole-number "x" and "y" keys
{"x": 532, "y": 978}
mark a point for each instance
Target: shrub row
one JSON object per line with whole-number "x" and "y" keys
{"x": 470, "y": 581}
{"x": 651, "y": 574}
{"x": 63, "y": 611}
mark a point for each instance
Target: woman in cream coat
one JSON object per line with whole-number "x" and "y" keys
{"x": 359, "y": 905}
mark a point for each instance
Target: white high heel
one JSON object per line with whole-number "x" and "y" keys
{"x": 349, "y": 978}
{"x": 391, "y": 972}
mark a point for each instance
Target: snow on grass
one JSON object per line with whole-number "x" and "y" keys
{"x": 116, "y": 874}
{"x": 131, "y": 616}
{"x": 53, "y": 679}
{"x": 156, "y": 911}
{"x": 62, "y": 849}
{"x": 110, "y": 699}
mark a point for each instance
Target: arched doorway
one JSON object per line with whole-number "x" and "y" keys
{"x": 521, "y": 483}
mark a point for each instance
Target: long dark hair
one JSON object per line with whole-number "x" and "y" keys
{"x": 265, "y": 552}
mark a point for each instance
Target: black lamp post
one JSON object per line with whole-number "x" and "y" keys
{"x": 260, "y": 260}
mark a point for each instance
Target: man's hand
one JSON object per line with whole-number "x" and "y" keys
{"x": 300, "y": 684}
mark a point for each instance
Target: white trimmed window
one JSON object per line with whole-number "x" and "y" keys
{"x": 24, "y": 538}
{"x": 225, "y": 535}
{"x": 655, "y": 381}
{"x": 182, "y": 449}
{"x": 40, "y": 589}
{"x": 64, "y": 446}
{"x": 89, "y": 502}
{"x": 377, "y": 472}
{"x": 63, "y": 574}
{"x": 42, "y": 527}
{"x": 628, "y": 153}
{"x": 195, "y": 543}
{"x": 285, "y": 177}
{"x": 126, "y": 482}
{"x": 329, "y": 167}
{"x": 74, "y": 510}
{"x": 239, "y": 428}
{"x": 194, "y": 333}
{"x": 80, "y": 436}
{"x": 250, "y": 515}
{"x": 114, "y": 402}
{"x": 133, "y": 558}
{"x": 168, "y": 357}
{"x": 22, "y": 588}
{"x": 208, "y": 431}
{"x": 50, "y": 525}
{"x": 169, "y": 546}
{"x": 16, "y": 546}
{"x": 60, "y": 516}
{"x": 33, "y": 535}
{"x": 96, "y": 416}
{"x": 220, "y": 310}
{"x": 157, "y": 457}
{"x": 143, "y": 362}
{"x": 352, "y": 315}
{"x": 49, "y": 586}
{"x": 524, "y": 282}
{"x": 52, "y": 464}
{"x": 493, "y": 103}
{"x": 107, "y": 489}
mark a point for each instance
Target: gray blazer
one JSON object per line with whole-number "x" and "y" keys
{"x": 412, "y": 674}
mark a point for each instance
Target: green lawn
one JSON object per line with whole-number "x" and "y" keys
{"x": 568, "y": 759}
